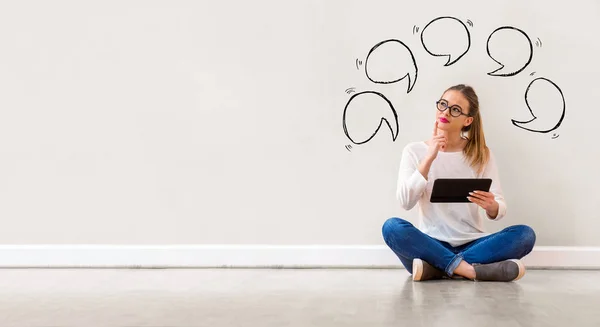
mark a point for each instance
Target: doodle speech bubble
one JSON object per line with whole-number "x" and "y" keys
{"x": 446, "y": 37}
{"x": 546, "y": 104}
{"x": 511, "y": 48}
{"x": 391, "y": 61}
{"x": 364, "y": 115}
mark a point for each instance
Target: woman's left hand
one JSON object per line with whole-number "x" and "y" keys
{"x": 486, "y": 201}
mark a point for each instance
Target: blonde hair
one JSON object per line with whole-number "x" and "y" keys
{"x": 476, "y": 149}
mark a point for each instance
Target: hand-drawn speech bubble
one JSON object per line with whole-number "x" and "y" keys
{"x": 364, "y": 115}
{"x": 446, "y": 37}
{"x": 391, "y": 61}
{"x": 511, "y": 48}
{"x": 547, "y": 100}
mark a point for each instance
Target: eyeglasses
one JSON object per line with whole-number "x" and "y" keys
{"x": 455, "y": 110}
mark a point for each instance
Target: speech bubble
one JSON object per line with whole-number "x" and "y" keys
{"x": 511, "y": 48}
{"x": 364, "y": 111}
{"x": 446, "y": 37}
{"x": 391, "y": 61}
{"x": 547, "y": 100}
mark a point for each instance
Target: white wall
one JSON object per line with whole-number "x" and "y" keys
{"x": 220, "y": 122}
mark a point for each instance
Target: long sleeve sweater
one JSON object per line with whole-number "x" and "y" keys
{"x": 454, "y": 223}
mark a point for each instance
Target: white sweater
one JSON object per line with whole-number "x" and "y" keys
{"x": 455, "y": 223}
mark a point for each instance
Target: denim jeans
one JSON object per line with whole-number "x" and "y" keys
{"x": 408, "y": 243}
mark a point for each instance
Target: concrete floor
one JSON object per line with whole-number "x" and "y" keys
{"x": 305, "y": 297}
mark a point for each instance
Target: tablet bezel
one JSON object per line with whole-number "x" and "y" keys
{"x": 445, "y": 189}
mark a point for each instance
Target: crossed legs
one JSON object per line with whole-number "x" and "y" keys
{"x": 409, "y": 243}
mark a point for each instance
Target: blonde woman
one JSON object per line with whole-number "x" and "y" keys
{"x": 450, "y": 240}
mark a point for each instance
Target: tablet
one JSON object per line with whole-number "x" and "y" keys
{"x": 457, "y": 189}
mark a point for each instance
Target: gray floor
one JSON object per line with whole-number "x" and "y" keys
{"x": 304, "y": 297}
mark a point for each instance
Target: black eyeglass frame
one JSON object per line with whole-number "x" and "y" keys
{"x": 461, "y": 113}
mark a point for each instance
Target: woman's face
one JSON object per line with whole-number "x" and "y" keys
{"x": 456, "y": 108}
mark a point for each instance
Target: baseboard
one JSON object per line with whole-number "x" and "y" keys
{"x": 252, "y": 256}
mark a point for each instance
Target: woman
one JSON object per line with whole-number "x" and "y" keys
{"x": 450, "y": 240}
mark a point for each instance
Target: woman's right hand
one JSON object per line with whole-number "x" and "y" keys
{"x": 438, "y": 141}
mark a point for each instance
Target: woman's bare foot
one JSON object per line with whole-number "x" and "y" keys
{"x": 466, "y": 270}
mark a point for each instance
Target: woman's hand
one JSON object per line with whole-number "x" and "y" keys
{"x": 438, "y": 141}
{"x": 486, "y": 201}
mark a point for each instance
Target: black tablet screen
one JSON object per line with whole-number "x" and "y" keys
{"x": 457, "y": 189}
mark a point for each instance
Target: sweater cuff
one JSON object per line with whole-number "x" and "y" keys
{"x": 501, "y": 211}
{"x": 418, "y": 181}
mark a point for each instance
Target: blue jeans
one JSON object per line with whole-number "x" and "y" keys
{"x": 408, "y": 243}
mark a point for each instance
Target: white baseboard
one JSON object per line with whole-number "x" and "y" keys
{"x": 252, "y": 256}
